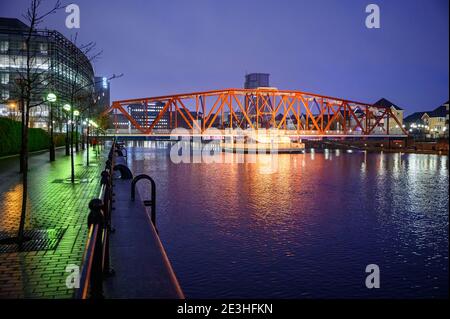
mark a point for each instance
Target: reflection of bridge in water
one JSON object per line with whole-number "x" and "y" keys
{"x": 227, "y": 112}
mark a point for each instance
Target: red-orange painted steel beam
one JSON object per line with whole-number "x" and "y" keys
{"x": 260, "y": 109}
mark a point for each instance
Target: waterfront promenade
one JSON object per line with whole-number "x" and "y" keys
{"x": 141, "y": 265}
{"x": 55, "y": 208}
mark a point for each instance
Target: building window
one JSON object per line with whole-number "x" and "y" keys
{"x": 4, "y": 46}
{"x": 4, "y": 78}
{"x": 5, "y": 94}
{"x": 43, "y": 48}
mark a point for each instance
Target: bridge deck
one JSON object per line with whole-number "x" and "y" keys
{"x": 142, "y": 269}
{"x": 305, "y": 136}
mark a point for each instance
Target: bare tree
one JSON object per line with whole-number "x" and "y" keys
{"x": 32, "y": 79}
{"x": 77, "y": 92}
{"x": 87, "y": 109}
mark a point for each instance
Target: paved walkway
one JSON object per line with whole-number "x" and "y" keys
{"x": 52, "y": 204}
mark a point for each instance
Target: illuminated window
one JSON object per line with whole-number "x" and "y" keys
{"x": 43, "y": 48}
{"x": 4, "y": 46}
{"x": 5, "y": 95}
{"x": 4, "y": 78}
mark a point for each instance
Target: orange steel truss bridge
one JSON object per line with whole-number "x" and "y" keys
{"x": 298, "y": 113}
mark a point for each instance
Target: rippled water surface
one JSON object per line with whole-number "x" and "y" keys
{"x": 307, "y": 230}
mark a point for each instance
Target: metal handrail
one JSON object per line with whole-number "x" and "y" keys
{"x": 95, "y": 262}
{"x": 88, "y": 256}
{"x": 152, "y": 201}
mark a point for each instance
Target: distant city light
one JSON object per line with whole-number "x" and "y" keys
{"x": 93, "y": 123}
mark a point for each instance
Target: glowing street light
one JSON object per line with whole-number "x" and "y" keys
{"x": 67, "y": 108}
{"x": 51, "y": 97}
{"x": 76, "y": 113}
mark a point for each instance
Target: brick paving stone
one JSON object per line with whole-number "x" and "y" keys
{"x": 41, "y": 274}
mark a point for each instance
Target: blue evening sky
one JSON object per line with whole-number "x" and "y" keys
{"x": 321, "y": 46}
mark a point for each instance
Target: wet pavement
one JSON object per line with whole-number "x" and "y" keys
{"x": 54, "y": 206}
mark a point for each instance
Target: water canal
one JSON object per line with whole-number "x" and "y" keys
{"x": 307, "y": 230}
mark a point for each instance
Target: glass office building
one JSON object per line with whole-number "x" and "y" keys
{"x": 144, "y": 115}
{"x": 61, "y": 67}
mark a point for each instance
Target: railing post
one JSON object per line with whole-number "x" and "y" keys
{"x": 107, "y": 209}
{"x": 152, "y": 202}
{"x": 96, "y": 218}
{"x": 105, "y": 180}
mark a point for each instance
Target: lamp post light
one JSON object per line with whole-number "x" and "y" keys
{"x": 83, "y": 141}
{"x": 89, "y": 124}
{"x": 51, "y": 98}
{"x": 76, "y": 113}
{"x": 67, "y": 108}
{"x": 72, "y": 161}
{"x": 12, "y": 112}
{"x": 87, "y": 141}
{"x": 96, "y": 137}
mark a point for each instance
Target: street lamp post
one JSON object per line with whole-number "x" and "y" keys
{"x": 12, "y": 109}
{"x": 77, "y": 146}
{"x": 87, "y": 141}
{"x": 89, "y": 124}
{"x": 72, "y": 162}
{"x": 67, "y": 108}
{"x": 96, "y": 142}
{"x": 83, "y": 139}
{"x": 51, "y": 98}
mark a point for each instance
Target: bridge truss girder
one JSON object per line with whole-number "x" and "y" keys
{"x": 263, "y": 108}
